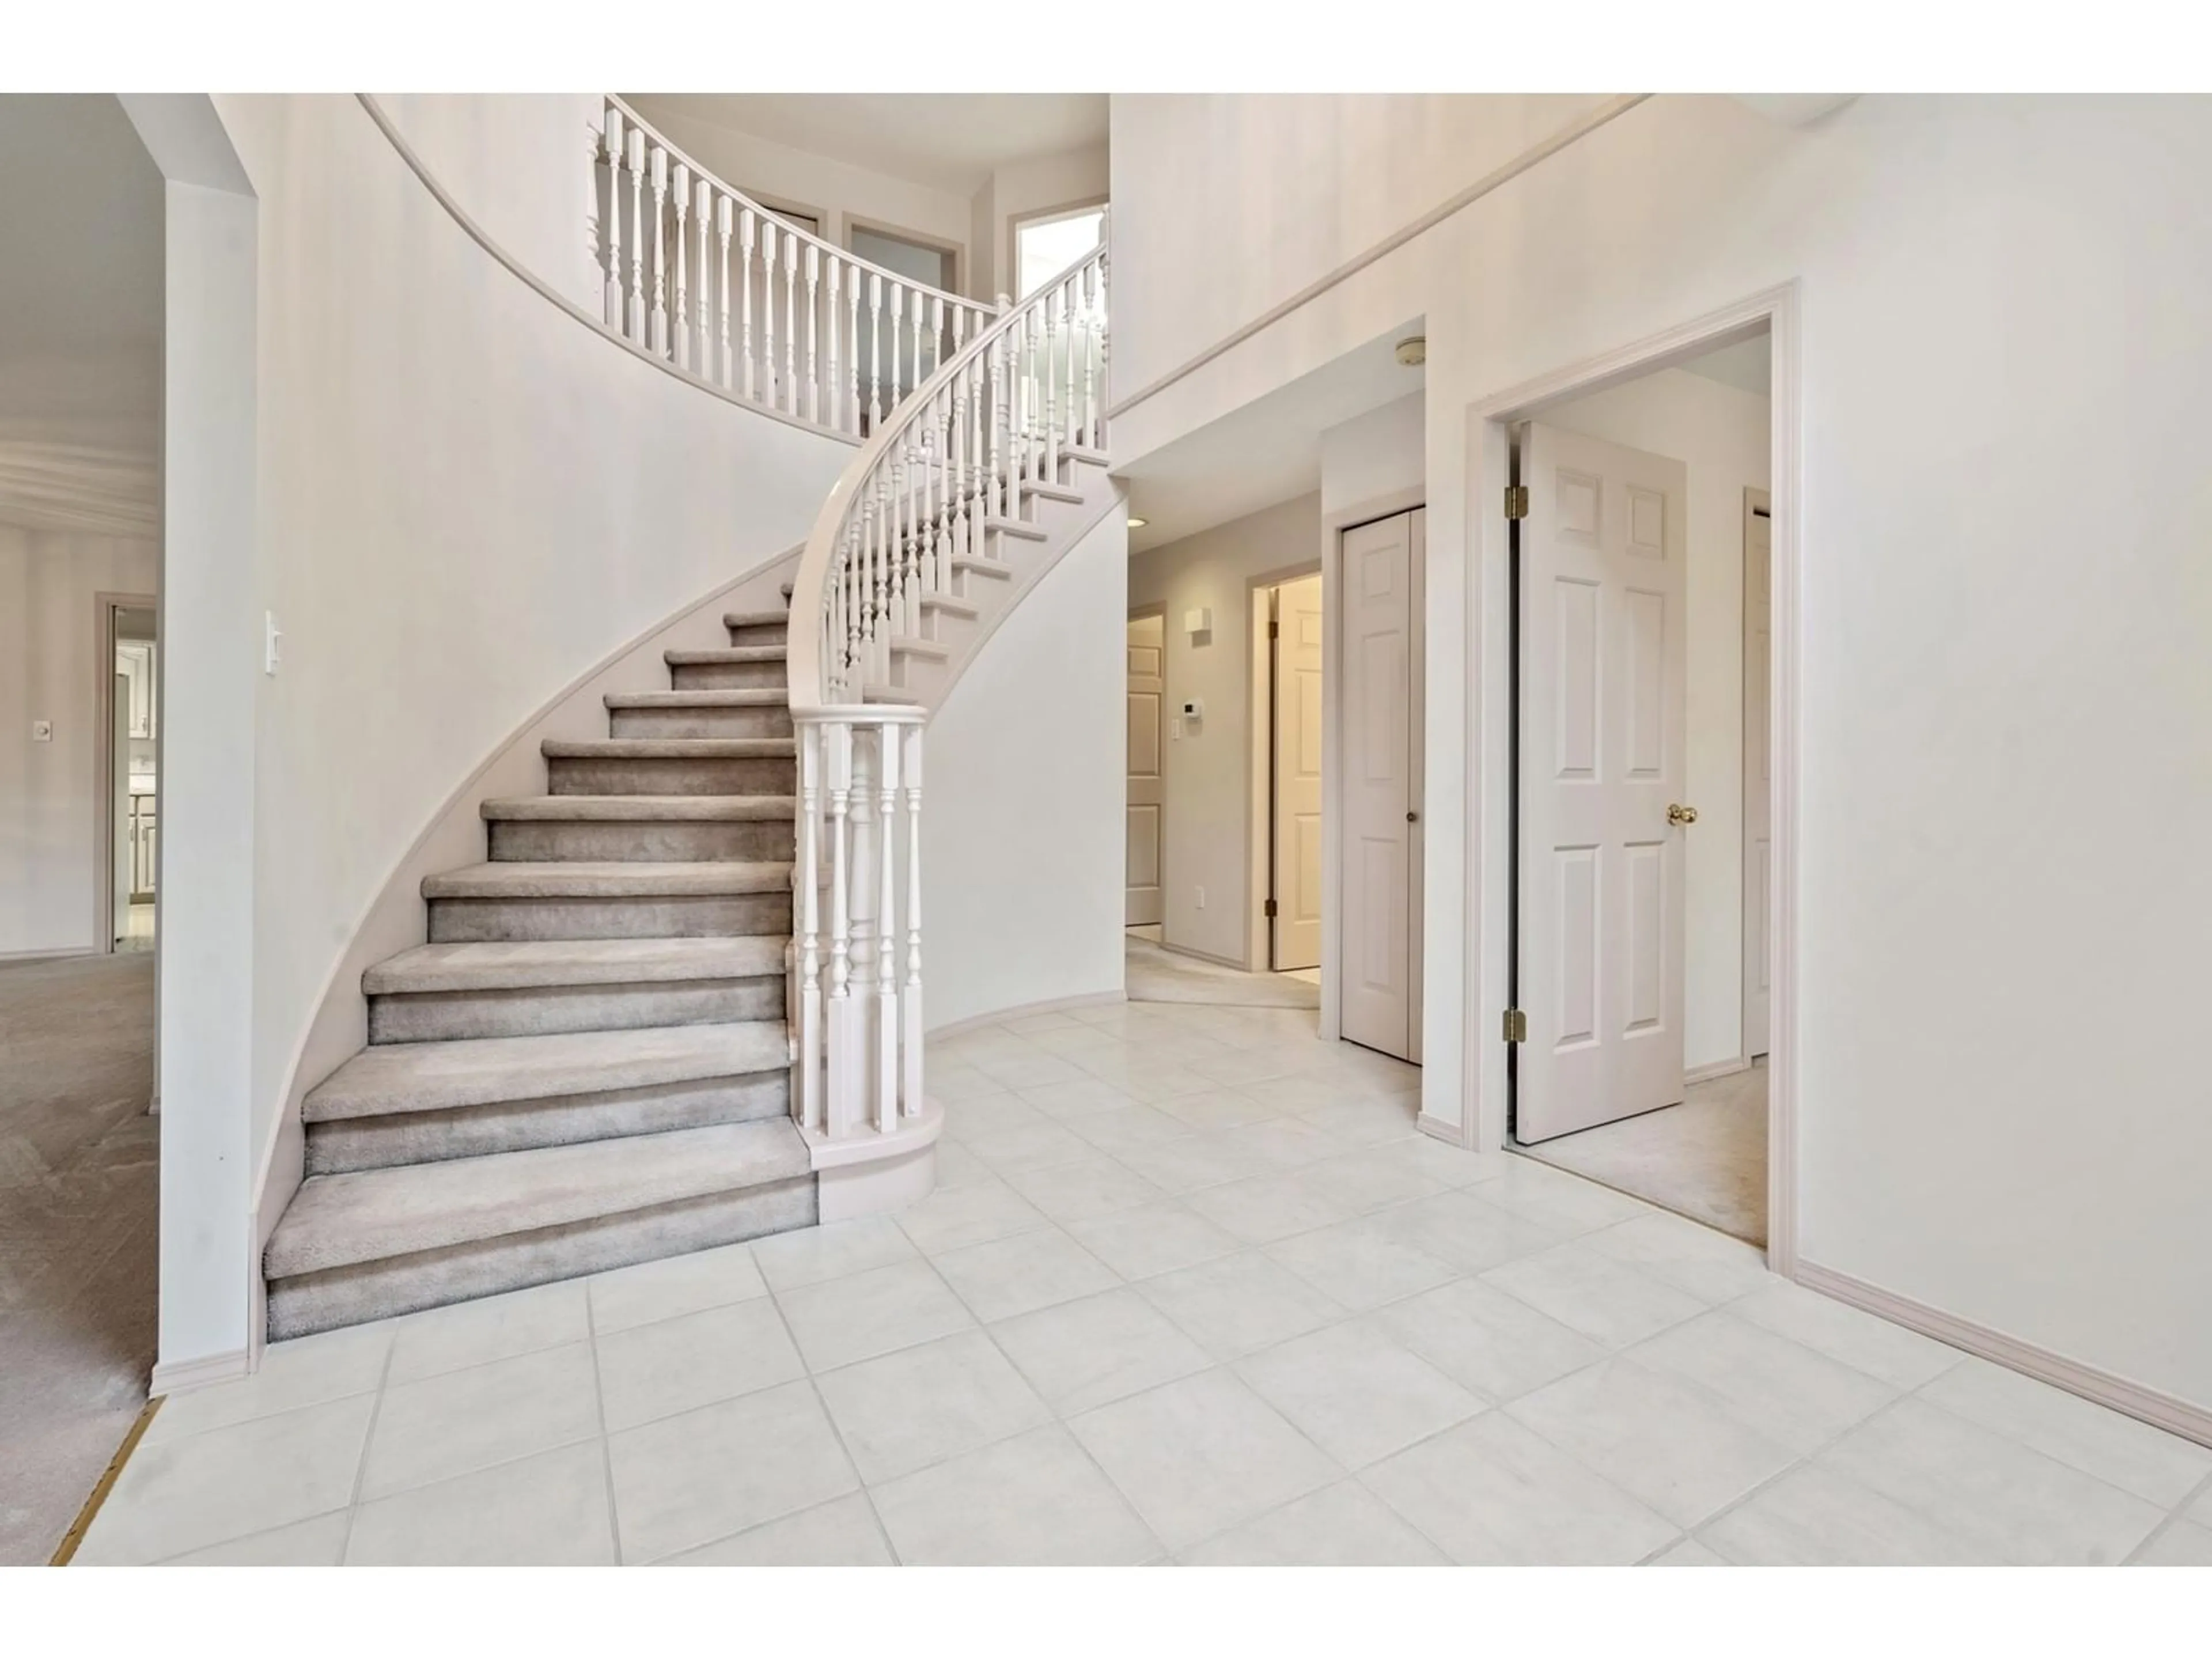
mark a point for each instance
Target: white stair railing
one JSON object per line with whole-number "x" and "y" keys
{"x": 915, "y": 511}
{"x": 699, "y": 275}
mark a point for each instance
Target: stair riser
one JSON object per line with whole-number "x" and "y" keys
{"x": 720, "y": 915}
{"x": 988, "y": 592}
{"x": 544, "y": 841}
{"x": 538, "y": 1011}
{"x": 514, "y": 1126}
{"x": 775, "y": 774}
{"x": 746, "y": 633}
{"x": 727, "y": 676}
{"x": 746, "y": 722}
{"x": 307, "y": 1303}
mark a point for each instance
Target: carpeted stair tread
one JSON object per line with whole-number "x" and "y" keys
{"x": 427, "y": 1077}
{"x": 641, "y": 809}
{"x": 521, "y": 965}
{"x": 597, "y": 880}
{"x": 755, "y": 618}
{"x": 767, "y": 696}
{"x": 370, "y": 1215}
{"x": 726, "y": 654}
{"x": 669, "y": 748}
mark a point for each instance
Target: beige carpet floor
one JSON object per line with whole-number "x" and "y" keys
{"x": 78, "y": 1185}
{"x": 1156, "y": 974}
{"x": 1705, "y": 1159}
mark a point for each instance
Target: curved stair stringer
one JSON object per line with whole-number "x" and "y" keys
{"x": 573, "y": 1055}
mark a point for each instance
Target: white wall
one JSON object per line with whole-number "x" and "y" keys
{"x": 50, "y": 861}
{"x": 1022, "y": 808}
{"x": 2005, "y": 789}
{"x": 839, "y": 191}
{"x": 1719, "y": 432}
{"x": 1206, "y": 823}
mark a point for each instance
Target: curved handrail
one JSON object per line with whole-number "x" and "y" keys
{"x": 1006, "y": 351}
{"x": 699, "y": 170}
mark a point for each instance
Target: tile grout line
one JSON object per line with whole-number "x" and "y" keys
{"x": 2177, "y": 1516}
{"x": 600, "y": 1406}
{"x": 821, "y": 1404}
{"x": 368, "y": 1440}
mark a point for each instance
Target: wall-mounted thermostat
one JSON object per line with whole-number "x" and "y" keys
{"x": 1193, "y": 710}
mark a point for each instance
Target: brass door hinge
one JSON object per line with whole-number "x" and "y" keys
{"x": 1516, "y": 500}
{"x": 1271, "y": 907}
{"x": 1516, "y": 1025}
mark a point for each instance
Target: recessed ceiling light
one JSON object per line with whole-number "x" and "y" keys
{"x": 1413, "y": 350}
{"x": 1136, "y": 523}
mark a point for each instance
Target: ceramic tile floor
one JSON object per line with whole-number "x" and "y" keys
{"x": 1193, "y": 1290}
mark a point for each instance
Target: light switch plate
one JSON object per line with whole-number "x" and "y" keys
{"x": 42, "y": 730}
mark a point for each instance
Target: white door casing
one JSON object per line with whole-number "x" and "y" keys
{"x": 1757, "y": 785}
{"x": 1144, "y": 902}
{"x": 1297, "y": 861}
{"x": 1604, "y": 670}
{"x": 1379, "y": 955}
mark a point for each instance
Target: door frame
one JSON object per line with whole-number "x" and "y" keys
{"x": 1489, "y": 695}
{"x": 1137, "y": 613}
{"x": 1757, "y": 503}
{"x": 104, "y": 606}
{"x": 1260, "y": 767}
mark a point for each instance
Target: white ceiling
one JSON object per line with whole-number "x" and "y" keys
{"x": 1748, "y": 365}
{"x": 948, "y": 140}
{"x": 1267, "y": 452}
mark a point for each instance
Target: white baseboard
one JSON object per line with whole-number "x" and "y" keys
{"x": 1023, "y": 1010}
{"x": 179, "y": 1376}
{"x": 2161, "y": 1411}
{"x": 1718, "y": 1068}
{"x": 62, "y": 955}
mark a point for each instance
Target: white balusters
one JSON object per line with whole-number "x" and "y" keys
{"x": 852, "y": 357}
{"x": 771, "y": 232}
{"x": 837, "y": 405}
{"x": 682, "y": 308}
{"x": 702, "y": 329}
{"x": 813, "y": 369}
{"x": 612, "y": 223}
{"x": 723, "y": 209}
{"x": 910, "y": 1095}
{"x": 875, "y": 351}
{"x": 653, "y": 237}
{"x": 807, "y": 894}
{"x": 790, "y": 321}
{"x": 747, "y": 225}
{"x": 634, "y": 326}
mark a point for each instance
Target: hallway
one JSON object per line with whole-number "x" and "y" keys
{"x": 1705, "y": 1158}
{"x": 1194, "y": 1290}
{"x": 77, "y": 1243}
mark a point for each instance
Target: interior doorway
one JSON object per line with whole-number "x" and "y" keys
{"x": 129, "y": 818}
{"x": 1641, "y": 946}
{"x": 1292, "y": 756}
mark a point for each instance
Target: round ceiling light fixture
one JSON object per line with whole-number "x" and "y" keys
{"x": 1413, "y": 350}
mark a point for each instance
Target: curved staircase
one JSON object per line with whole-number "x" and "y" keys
{"x": 679, "y": 1004}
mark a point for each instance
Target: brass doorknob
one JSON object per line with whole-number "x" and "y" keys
{"x": 1679, "y": 814}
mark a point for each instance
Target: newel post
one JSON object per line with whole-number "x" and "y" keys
{"x": 884, "y": 1074}
{"x": 844, "y": 1016}
{"x": 910, "y": 1096}
{"x": 854, "y": 1069}
{"x": 807, "y": 1081}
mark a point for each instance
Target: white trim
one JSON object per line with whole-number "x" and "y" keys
{"x": 2160, "y": 1410}
{"x": 105, "y": 604}
{"x": 1543, "y": 149}
{"x": 1024, "y": 1011}
{"x": 1718, "y": 1068}
{"x": 868, "y": 1174}
{"x": 1485, "y": 961}
{"x": 181, "y": 1376}
{"x": 482, "y": 240}
{"x": 44, "y": 954}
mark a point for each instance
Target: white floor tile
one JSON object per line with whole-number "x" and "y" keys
{"x": 1364, "y": 1181}
{"x": 1356, "y": 1394}
{"x": 491, "y": 1327}
{"x": 1485, "y": 1339}
{"x": 1361, "y": 1264}
{"x": 1903, "y": 1358}
{"x": 680, "y": 1364}
{"x": 1603, "y": 1299}
{"x": 1688, "y": 1553}
{"x": 1115, "y": 1130}
{"x": 1340, "y": 1525}
{"x": 250, "y": 1477}
{"x": 1078, "y": 1098}
{"x": 1459, "y": 1228}
{"x": 921, "y": 1406}
{"x": 688, "y": 1480}
{"x": 843, "y": 1533}
{"x": 1551, "y": 1198}
{"x": 1782, "y": 1388}
{"x": 1199, "y": 1456}
{"x": 1711, "y": 1266}
{"x": 2183, "y": 1544}
{"x": 1035, "y": 1500}
{"x": 1267, "y": 1208}
{"x": 1031, "y": 1146}
{"x": 2007, "y": 1502}
{"x": 1490, "y": 1493}
{"x": 680, "y": 1284}
{"x": 1814, "y": 1517}
{"x": 307, "y": 1371}
{"x": 2081, "y": 1434}
{"x": 1103, "y": 1348}
{"x": 808, "y": 1255}
{"x": 950, "y": 1217}
{"x": 1666, "y": 1443}
{"x": 1239, "y": 1305}
{"x": 1195, "y": 1161}
{"x": 546, "y": 1510}
{"x": 858, "y": 1317}
{"x": 460, "y": 1421}
{"x": 1216, "y": 1108}
{"x": 316, "y": 1543}
{"x": 1084, "y": 1188}
{"x": 1018, "y": 1275}
{"x": 1157, "y": 1238}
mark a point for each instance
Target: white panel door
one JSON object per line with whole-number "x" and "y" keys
{"x": 1603, "y": 731}
{"x": 1377, "y": 959}
{"x": 1297, "y": 805}
{"x": 1758, "y": 788}
{"x": 1144, "y": 903}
